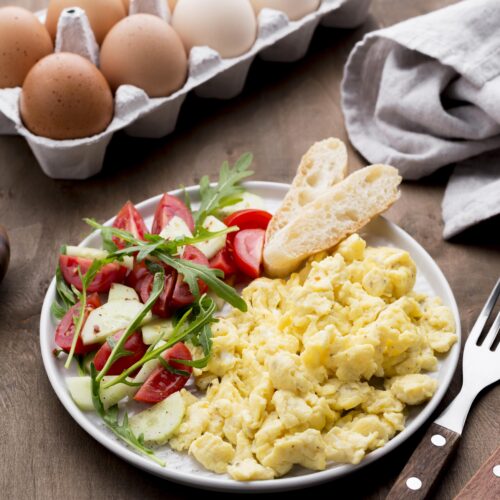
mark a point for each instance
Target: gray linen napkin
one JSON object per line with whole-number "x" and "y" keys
{"x": 426, "y": 93}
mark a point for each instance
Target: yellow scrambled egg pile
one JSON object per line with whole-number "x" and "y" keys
{"x": 320, "y": 367}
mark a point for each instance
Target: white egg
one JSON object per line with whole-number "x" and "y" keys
{"x": 294, "y": 9}
{"x": 227, "y": 26}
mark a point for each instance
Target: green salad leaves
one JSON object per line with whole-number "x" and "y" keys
{"x": 66, "y": 297}
{"x": 226, "y": 192}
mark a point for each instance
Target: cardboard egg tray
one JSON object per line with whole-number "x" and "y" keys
{"x": 210, "y": 76}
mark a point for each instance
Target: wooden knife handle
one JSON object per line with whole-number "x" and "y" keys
{"x": 424, "y": 466}
{"x": 486, "y": 482}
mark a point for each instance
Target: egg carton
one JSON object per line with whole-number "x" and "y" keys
{"x": 210, "y": 76}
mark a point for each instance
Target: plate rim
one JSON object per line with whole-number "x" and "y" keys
{"x": 224, "y": 484}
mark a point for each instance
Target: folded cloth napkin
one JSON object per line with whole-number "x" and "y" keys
{"x": 426, "y": 93}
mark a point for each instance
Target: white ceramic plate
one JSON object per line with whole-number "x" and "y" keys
{"x": 180, "y": 467}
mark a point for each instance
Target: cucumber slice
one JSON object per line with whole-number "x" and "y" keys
{"x": 80, "y": 391}
{"x": 158, "y": 423}
{"x": 146, "y": 370}
{"x": 149, "y": 367}
{"x": 248, "y": 200}
{"x": 158, "y": 328}
{"x": 211, "y": 247}
{"x": 122, "y": 292}
{"x": 86, "y": 252}
{"x": 96, "y": 253}
{"x": 109, "y": 318}
{"x": 176, "y": 228}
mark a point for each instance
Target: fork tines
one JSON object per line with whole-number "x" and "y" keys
{"x": 483, "y": 317}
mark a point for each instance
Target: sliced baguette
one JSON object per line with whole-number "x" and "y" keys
{"x": 342, "y": 210}
{"x": 324, "y": 164}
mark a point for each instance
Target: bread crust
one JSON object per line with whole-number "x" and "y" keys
{"x": 322, "y": 166}
{"x": 340, "y": 211}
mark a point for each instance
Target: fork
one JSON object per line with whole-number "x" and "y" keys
{"x": 481, "y": 368}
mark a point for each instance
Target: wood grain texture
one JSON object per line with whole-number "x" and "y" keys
{"x": 486, "y": 481}
{"x": 425, "y": 465}
{"x": 282, "y": 111}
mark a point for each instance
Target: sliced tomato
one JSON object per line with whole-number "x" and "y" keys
{"x": 109, "y": 274}
{"x": 248, "y": 247}
{"x": 163, "y": 305}
{"x": 182, "y": 295}
{"x": 134, "y": 345}
{"x": 129, "y": 219}
{"x": 66, "y": 329}
{"x": 162, "y": 382}
{"x": 250, "y": 218}
{"x": 168, "y": 207}
{"x": 138, "y": 272}
{"x": 141, "y": 279}
{"x": 224, "y": 261}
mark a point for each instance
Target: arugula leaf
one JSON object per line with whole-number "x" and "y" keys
{"x": 191, "y": 272}
{"x": 57, "y": 310}
{"x": 108, "y": 232}
{"x": 107, "y": 242}
{"x": 172, "y": 369}
{"x": 187, "y": 198}
{"x": 195, "y": 363}
{"x": 205, "y": 340}
{"x": 120, "y": 429}
{"x": 227, "y": 189}
{"x": 65, "y": 296}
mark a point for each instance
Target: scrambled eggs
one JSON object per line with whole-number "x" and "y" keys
{"x": 320, "y": 367}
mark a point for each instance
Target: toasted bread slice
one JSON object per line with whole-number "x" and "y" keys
{"x": 342, "y": 210}
{"x": 324, "y": 164}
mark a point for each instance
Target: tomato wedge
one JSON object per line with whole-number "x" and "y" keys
{"x": 138, "y": 272}
{"x": 109, "y": 274}
{"x": 168, "y": 207}
{"x": 134, "y": 345}
{"x": 250, "y": 218}
{"x": 248, "y": 246}
{"x": 224, "y": 261}
{"x": 129, "y": 219}
{"x": 66, "y": 329}
{"x": 163, "y": 306}
{"x": 182, "y": 295}
{"x": 161, "y": 383}
{"x": 141, "y": 280}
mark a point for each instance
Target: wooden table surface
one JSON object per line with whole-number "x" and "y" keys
{"x": 283, "y": 109}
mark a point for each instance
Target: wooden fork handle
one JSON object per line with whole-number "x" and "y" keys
{"x": 424, "y": 466}
{"x": 486, "y": 481}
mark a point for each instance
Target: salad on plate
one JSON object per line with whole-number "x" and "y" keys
{"x": 128, "y": 312}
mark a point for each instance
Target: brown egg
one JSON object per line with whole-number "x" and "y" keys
{"x": 24, "y": 40}
{"x": 143, "y": 50}
{"x": 102, "y": 14}
{"x": 65, "y": 96}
